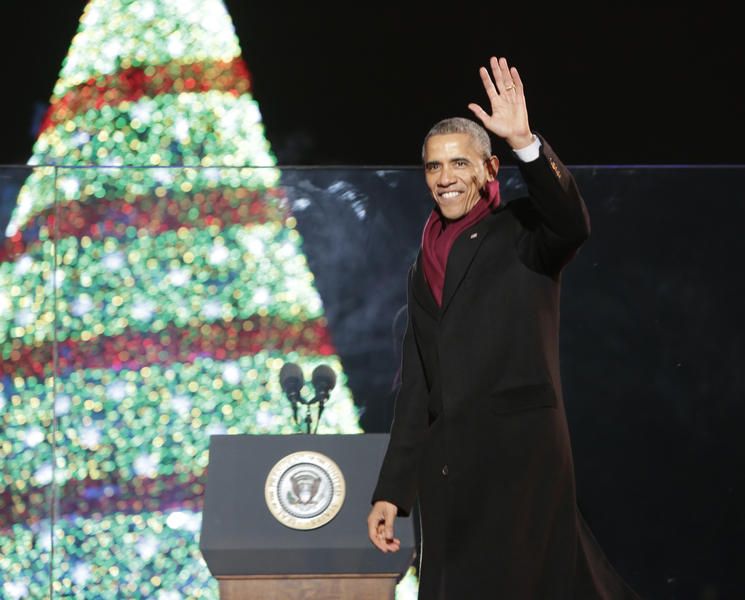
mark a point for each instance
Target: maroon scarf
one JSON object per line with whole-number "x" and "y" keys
{"x": 440, "y": 235}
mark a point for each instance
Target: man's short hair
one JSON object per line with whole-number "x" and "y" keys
{"x": 460, "y": 125}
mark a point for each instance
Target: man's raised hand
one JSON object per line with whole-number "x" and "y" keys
{"x": 509, "y": 113}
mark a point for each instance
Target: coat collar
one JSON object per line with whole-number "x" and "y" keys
{"x": 421, "y": 290}
{"x": 459, "y": 260}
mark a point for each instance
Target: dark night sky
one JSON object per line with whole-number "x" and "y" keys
{"x": 620, "y": 85}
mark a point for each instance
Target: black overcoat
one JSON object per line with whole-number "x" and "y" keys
{"x": 479, "y": 432}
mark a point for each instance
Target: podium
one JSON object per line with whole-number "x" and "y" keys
{"x": 285, "y": 516}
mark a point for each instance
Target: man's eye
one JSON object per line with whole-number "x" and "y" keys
{"x": 461, "y": 163}
{"x": 431, "y": 167}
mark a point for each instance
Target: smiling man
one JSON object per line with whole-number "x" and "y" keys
{"x": 479, "y": 435}
{"x": 457, "y": 167}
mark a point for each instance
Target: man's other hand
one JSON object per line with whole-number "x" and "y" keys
{"x": 380, "y": 526}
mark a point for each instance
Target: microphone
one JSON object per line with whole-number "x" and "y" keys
{"x": 324, "y": 380}
{"x": 291, "y": 379}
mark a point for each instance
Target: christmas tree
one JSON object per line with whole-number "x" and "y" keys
{"x": 152, "y": 285}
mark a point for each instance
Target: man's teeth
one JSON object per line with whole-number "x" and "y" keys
{"x": 450, "y": 194}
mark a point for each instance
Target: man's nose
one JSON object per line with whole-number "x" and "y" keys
{"x": 446, "y": 176}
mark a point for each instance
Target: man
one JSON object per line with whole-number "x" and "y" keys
{"x": 479, "y": 432}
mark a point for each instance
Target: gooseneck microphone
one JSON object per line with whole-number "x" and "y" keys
{"x": 291, "y": 380}
{"x": 324, "y": 380}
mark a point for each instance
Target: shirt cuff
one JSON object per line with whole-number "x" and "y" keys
{"x": 530, "y": 152}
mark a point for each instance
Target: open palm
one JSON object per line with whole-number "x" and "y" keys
{"x": 509, "y": 113}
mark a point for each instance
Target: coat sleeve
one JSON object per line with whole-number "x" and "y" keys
{"x": 555, "y": 220}
{"x": 397, "y": 481}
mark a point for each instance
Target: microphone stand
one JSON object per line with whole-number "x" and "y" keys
{"x": 292, "y": 385}
{"x": 322, "y": 397}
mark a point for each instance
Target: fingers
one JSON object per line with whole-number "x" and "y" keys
{"x": 491, "y": 91}
{"x": 380, "y": 527}
{"x": 517, "y": 81}
{"x": 497, "y": 73}
{"x": 386, "y": 541}
{"x": 479, "y": 112}
{"x": 507, "y": 117}
{"x": 506, "y": 77}
{"x": 387, "y": 527}
{"x": 373, "y": 520}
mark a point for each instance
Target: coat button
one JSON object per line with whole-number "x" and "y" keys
{"x": 445, "y": 470}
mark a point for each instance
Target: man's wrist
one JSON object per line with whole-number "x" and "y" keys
{"x": 522, "y": 141}
{"x": 528, "y": 152}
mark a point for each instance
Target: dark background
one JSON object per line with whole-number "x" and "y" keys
{"x": 652, "y": 322}
{"x": 362, "y": 83}
{"x": 652, "y": 349}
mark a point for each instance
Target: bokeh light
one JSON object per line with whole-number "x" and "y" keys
{"x": 152, "y": 285}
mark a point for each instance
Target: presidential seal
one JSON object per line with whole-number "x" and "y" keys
{"x": 304, "y": 490}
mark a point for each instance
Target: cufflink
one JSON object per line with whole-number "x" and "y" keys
{"x": 474, "y": 235}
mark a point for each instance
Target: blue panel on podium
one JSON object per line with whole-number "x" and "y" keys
{"x": 273, "y": 506}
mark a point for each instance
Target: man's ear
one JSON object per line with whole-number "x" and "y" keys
{"x": 492, "y": 168}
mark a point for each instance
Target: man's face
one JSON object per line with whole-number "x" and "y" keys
{"x": 455, "y": 172}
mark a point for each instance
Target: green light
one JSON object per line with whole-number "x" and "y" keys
{"x": 159, "y": 287}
